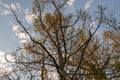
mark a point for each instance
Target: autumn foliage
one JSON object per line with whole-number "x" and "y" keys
{"x": 65, "y": 45}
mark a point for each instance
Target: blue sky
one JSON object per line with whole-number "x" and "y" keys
{"x": 9, "y": 40}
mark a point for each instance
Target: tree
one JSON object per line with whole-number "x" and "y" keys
{"x": 111, "y": 37}
{"x": 64, "y": 44}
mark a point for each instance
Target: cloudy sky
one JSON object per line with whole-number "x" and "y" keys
{"x": 11, "y": 37}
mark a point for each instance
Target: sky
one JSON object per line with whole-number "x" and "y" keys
{"x": 9, "y": 40}
{"x": 10, "y": 36}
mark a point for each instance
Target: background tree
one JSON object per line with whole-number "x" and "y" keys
{"x": 64, "y": 45}
{"x": 112, "y": 39}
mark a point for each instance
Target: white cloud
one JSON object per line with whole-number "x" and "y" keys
{"x": 5, "y": 5}
{"x": 15, "y": 28}
{"x": 5, "y": 12}
{"x": 5, "y": 8}
{"x": 22, "y": 35}
{"x": 23, "y": 41}
{"x": 26, "y": 11}
{"x": 2, "y": 59}
{"x": 18, "y": 6}
{"x": 28, "y": 16}
{"x": 88, "y": 4}
{"x": 4, "y": 65}
{"x": 18, "y": 33}
{"x": 13, "y": 6}
{"x": 70, "y": 2}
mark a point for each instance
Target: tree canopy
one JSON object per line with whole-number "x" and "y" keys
{"x": 65, "y": 46}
